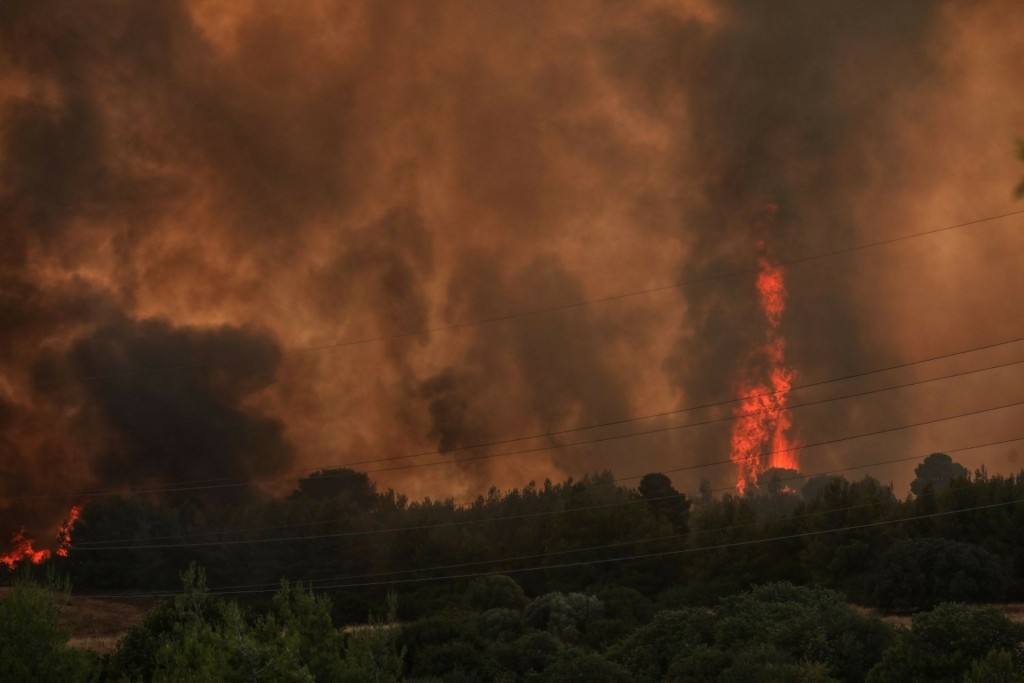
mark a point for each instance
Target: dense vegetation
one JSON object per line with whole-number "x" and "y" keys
{"x": 775, "y": 632}
{"x": 336, "y": 530}
{"x": 581, "y": 580}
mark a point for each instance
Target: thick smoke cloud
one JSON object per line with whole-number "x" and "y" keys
{"x": 173, "y": 399}
{"x": 238, "y": 189}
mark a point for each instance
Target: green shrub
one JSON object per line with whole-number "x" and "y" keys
{"x": 497, "y": 590}
{"x": 32, "y": 647}
{"x": 920, "y": 573}
{"x": 944, "y": 644}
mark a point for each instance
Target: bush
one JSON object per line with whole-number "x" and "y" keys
{"x": 944, "y": 644}
{"x": 32, "y": 647}
{"x": 998, "y": 666}
{"x": 773, "y": 632}
{"x": 649, "y": 651}
{"x": 808, "y": 624}
{"x": 199, "y": 637}
{"x": 500, "y": 624}
{"x": 920, "y": 573}
{"x": 578, "y": 665}
{"x": 497, "y": 590}
{"x": 565, "y": 615}
{"x": 626, "y": 604}
{"x": 530, "y": 654}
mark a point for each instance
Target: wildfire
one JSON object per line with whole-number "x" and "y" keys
{"x": 64, "y": 531}
{"x": 760, "y": 439}
{"x": 23, "y": 545}
{"x": 23, "y": 550}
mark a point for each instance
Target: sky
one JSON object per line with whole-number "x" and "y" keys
{"x": 251, "y": 239}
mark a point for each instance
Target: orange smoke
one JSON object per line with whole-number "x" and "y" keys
{"x": 760, "y": 439}
{"x": 23, "y": 546}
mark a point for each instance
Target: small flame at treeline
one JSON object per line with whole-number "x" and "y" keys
{"x": 23, "y": 547}
{"x": 760, "y": 436}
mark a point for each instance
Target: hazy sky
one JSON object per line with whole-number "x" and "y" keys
{"x": 204, "y": 191}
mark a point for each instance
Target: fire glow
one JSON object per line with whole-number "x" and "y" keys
{"x": 23, "y": 547}
{"x": 760, "y": 439}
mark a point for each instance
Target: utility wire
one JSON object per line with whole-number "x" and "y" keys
{"x": 111, "y": 543}
{"x": 598, "y": 425}
{"x": 641, "y": 540}
{"x": 627, "y": 558}
{"x": 173, "y": 487}
{"x": 369, "y": 532}
{"x": 550, "y": 309}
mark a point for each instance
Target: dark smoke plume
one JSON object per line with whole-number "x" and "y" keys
{"x": 222, "y": 187}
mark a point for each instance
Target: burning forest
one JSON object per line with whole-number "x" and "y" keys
{"x": 458, "y": 247}
{"x": 761, "y": 438}
{"x": 460, "y": 340}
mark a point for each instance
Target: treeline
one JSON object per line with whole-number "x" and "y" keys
{"x": 493, "y": 632}
{"x": 579, "y": 580}
{"x": 957, "y": 538}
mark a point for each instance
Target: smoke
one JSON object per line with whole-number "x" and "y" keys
{"x": 223, "y": 189}
{"x": 173, "y": 401}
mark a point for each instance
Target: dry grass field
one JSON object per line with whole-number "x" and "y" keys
{"x": 99, "y": 624}
{"x": 1013, "y": 611}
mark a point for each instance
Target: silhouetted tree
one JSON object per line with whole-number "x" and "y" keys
{"x": 937, "y": 471}
{"x": 657, "y": 489}
{"x": 339, "y": 482}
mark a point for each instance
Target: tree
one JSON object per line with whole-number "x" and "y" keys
{"x": 657, "y": 489}
{"x": 937, "y": 471}
{"x": 816, "y": 485}
{"x": 776, "y": 480}
{"x": 337, "y": 482}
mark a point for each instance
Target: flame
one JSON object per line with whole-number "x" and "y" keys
{"x": 64, "y": 531}
{"x": 23, "y": 550}
{"x": 772, "y": 290}
{"x": 23, "y": 545}
{"x": 760, "y": 439}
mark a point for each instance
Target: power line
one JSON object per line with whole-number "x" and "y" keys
{"x": 173, "y": 487}
{"x": 627, "y": 558}
{"x": 720, "y": 546}
{"x": 620, "y": 544}
{"x": 642, "y": 540}
{"x": 610, "y": 423}
{"x": 551, "y": 309}
{"x": 98, "y": 544}
{"x": 425, "y": 527}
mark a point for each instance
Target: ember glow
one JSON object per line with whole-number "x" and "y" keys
{"x": 760, "y": 435}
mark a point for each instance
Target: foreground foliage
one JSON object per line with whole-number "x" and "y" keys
{"x": 775, "y": 632}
